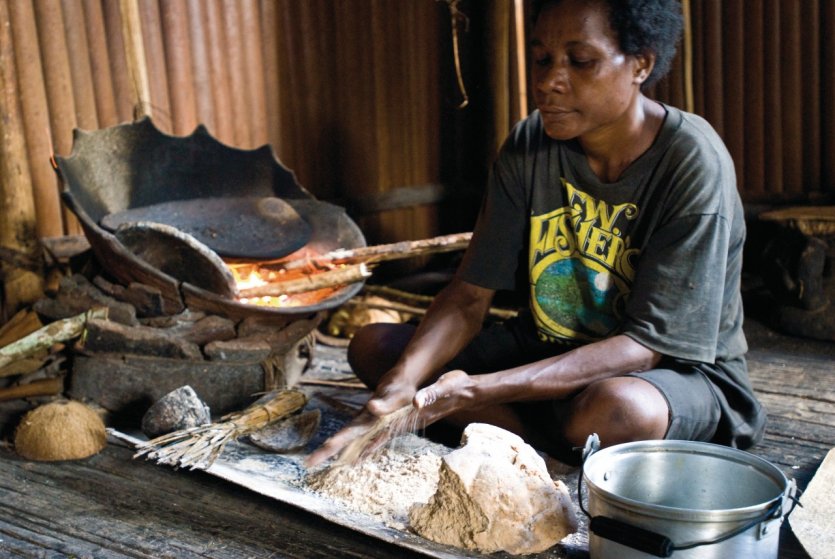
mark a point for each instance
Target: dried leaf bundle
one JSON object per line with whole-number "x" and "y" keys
{"x": 199, "y": 447}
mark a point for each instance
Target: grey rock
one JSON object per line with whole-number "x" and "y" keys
{"x": 179, "y": 409}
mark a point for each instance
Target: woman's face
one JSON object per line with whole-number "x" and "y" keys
{"x": 582, "y": 82}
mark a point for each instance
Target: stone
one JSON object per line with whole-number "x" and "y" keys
{"x": 494, "y": 494}
{"x": 179, "y": 409}
{"x": 106, "y": 336}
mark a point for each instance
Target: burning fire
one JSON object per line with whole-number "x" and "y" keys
{"x": 250, "y": 275}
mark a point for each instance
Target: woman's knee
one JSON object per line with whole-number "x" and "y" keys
{"x": 375, "y": 348}
{"x": 619, "y": 410}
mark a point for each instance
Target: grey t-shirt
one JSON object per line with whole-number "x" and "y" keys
{"x": 656, "y": 256}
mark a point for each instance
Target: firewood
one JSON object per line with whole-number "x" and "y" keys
{"x": 423, "y": 300}
{"x": 147, "y": 300}
{"x": 247, "y": 350}
{"x": 21, "y": 324}
{"x": 25, "y": 366}
{"x": 311, "y": 282}
{"x": 76, "y": 294}
{"x": 45, "y": 387}
{"x": 384, "y": 304}
{"x": 380, "y": 253}
{"x": 201, "y": 332}
{"x": 46, "y": 337}
{"x": 340, "y": 383}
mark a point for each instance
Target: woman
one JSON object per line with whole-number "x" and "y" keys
{"x": 625, "y": 215}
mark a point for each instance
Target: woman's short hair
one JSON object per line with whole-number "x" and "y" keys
{"x": 642, "y": 26}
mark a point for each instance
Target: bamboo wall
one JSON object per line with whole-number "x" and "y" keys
{"x": 347, "y": 92}
{"x": 360, "y": 97}
{"x": 364, "y": 116}
{"x": 764, "y": 76}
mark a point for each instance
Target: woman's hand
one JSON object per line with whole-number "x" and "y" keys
{"x": 391, "y": 395}
{"x": 360, "y": 425}
{"x": 452, "y": 392}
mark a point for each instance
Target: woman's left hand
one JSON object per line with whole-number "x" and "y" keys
{"x": 452, "y": 392}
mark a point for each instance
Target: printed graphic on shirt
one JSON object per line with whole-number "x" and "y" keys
{"x": 581, "y": 267}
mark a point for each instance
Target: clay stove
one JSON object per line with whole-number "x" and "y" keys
{"x": 125, "y": 168}
{"x": 135, "y": 165}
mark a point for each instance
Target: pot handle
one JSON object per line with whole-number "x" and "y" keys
{"x": 654, "y": 543}
{"x": 626, "y": 534}
{"x": 621, "y": 532}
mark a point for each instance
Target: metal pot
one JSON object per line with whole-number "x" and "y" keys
{"x": 682, "y": 499}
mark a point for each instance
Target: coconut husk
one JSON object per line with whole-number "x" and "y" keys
{"x": 61, "y": 430}
{"x": 289, "y": 434}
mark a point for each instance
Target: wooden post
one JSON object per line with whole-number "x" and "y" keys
{"x": 200, "y": 45}
{"x": 254, "y": 72}
{"x": 36, "y": 119}
{"x": 100, "y": 64}
{"x": 270, "y": 30}
{"x": 521, "y": 58}
{"x": 117, "y": 58}
{"x": 135, "y": 56}
{"x": 18, "y": 286}
{"x": 687, "y": 56}
{"x": 81, "y": 72}
{"x": 174, "y": 20}
{"x": 219, "y": 72}
{"x": 59, "y": 88}
{"x": 234, "y": 57}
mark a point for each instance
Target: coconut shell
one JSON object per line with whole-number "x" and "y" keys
{"x": 289, "y": 434}
{"x": 61, "y": 430}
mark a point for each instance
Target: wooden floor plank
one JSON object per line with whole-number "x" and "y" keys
{"x": 113, "y": 507}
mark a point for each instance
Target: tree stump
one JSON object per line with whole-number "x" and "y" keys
{"x": 798, "y": 270}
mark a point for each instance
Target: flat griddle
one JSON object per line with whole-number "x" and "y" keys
{"x": 245, "y": 227}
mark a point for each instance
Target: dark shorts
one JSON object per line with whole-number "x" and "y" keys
{"x": 695, "y": 411}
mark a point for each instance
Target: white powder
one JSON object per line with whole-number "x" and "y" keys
{"x": 386, "y": 484}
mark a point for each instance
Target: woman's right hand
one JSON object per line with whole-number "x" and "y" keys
{"x": 391, "y": 395}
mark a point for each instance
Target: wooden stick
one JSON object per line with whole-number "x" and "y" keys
{"x": 391, "y": 293}
{"x": 340, "y": 276}
{"x": 21, "y": 324}
{"x": 379, "y": 253}
{"x": 386, "y": 306}
{"x": 45, "y": 387}
{"x": 25, "y": 366}
{"x": 44, "y": 338}
{"x": 343, "y": 384}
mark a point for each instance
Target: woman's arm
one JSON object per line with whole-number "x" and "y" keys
{"x": 453, "y": 319}
{"x": 552, "y": 378}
